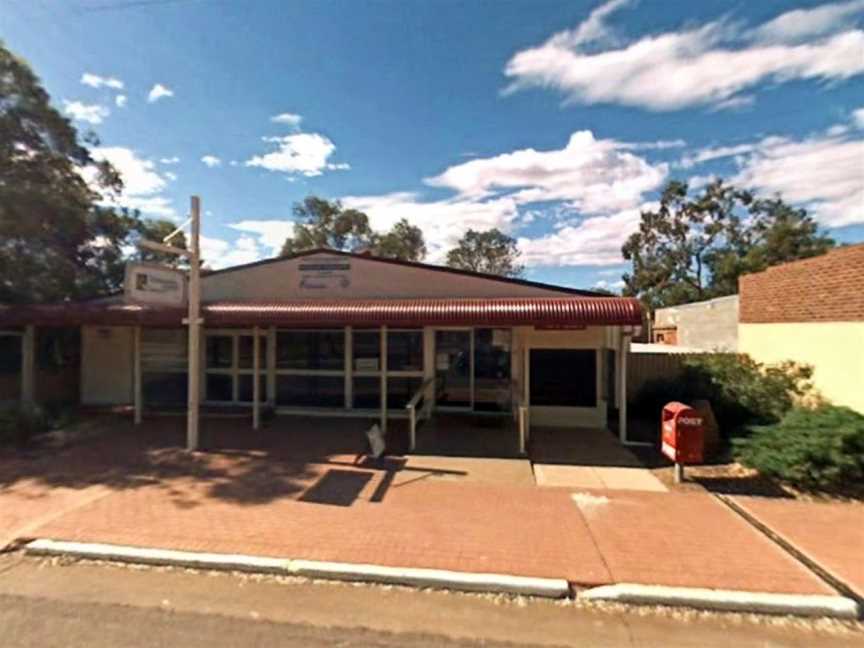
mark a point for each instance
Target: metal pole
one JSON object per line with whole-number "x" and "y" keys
{"x": 194, "y": 321}
{"x": 256, "y": 384}
{"x": 623, "y": 351}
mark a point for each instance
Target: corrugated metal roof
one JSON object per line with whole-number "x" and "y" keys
{"x": 516, "y": 311}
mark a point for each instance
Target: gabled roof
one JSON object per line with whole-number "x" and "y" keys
{"x": 411, "y": 264}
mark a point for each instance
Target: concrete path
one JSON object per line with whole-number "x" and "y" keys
{"x": 43, "y": 604}
{"x": 597, "y": 477}
{"x": 829, "y": 534}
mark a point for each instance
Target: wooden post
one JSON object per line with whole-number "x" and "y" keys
{"x": 138, "y": 396}
{"x": 28, "y": 366}
{"x": 194, "y": 321}
{"x": 383, "y": 367}
{"x": 256, "y": 377}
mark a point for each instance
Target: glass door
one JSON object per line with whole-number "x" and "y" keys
{"x": 454, "y": 369}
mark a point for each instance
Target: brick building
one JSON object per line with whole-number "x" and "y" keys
{"x": 810, "y": 311}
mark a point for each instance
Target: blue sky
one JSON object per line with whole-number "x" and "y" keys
{"x": 554, "y": 121}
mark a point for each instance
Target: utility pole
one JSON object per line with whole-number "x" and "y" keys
{"x": 193, "y": 319}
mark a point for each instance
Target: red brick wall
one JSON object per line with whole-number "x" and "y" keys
{"x": 827, "y": 288}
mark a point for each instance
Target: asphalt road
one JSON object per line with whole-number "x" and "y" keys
{"x": 47, "y": 603}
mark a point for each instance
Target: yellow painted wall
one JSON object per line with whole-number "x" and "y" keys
{"x": 835, "y": 350}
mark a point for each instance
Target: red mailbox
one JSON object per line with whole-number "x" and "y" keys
{"x": 682, "y": 433}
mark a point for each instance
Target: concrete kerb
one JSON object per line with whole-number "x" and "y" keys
{"x": 634, "y": 594}
{"x": 810, "y": 605}
{"x": 415, "y": 577}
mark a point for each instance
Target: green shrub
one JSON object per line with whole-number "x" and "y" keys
{"x": 818, "y": 449}
{"x": 19, "y": 425}
{"x": 741, "y": 391}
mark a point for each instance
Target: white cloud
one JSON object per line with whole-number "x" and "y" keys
{"x": 91, "y": 113}
{"x": 658, "y": 145}
{"x": 714, "y": 153}
{"x": 120, "y": 101}
{"x": 858, "y": 117}
{"x": 271, "y": 233}
{"x": 443, "y": 221}
{"x": 591, "y": 175}
{"x": 592, "y": 241}
{"x": 597, "y": 179}
{"x": 219, "y": 253}
{"x": 96, "y": 81}
{"x": 159, "y": 91}
{"x": 800, "y": 24}
{"x": 709, "y": 64}
{"x": 302, "y": 153}
{"x": 823, "y": 173}
{"x": 170, "y": 160}
{"x": 613, "y": 286}
{"x": 142, "y": 183}
{"x": 171, "y": 176}
{"x": 211, "y": 161}
{"x": 290, "y": 119}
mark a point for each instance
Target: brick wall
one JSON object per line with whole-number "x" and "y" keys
{"x": 827, "y": 288}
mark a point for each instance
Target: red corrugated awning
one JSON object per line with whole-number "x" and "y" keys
{"x": 517, "y": 311}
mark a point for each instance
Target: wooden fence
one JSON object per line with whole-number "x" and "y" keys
{"x": 645, "y": 367}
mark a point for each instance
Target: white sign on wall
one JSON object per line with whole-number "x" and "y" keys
{"x": 323, "y": 273}
{"x": 154, "y": 284}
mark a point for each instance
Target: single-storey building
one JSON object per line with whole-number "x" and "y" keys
{"x": 812, "y": 312}
{"x": 348, "y": 334}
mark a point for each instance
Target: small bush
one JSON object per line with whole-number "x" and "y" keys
{"x": 818, "y": 449}
{"x": 19, "y": 425}
{"x": 741, "y": 391}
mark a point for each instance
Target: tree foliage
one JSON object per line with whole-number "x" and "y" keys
{"x": 695, "y": 248}
{"x": 321, "y": 223}
{"x": 56, "y": 241}
{"x": 818, "y": 449}
{"x": 741, "y": 391}
{"x": 490, "y": 252}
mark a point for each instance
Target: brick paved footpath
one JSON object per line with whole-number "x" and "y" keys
{"x": 325, "y": 508}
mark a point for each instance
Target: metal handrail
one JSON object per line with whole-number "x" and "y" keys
{"x": 413, "y": 419}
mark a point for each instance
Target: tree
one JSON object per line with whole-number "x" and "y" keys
{"x": 489, "y": 252}
{"x": 403, "y": 241}
{"x": 695, "y": 248}
{"x": 56, "y": 241}
{"x": 322, "y": 223}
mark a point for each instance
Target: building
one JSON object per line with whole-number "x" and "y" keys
{"x": 812, "y": 312}
{"x": 354, "y": 335}
{"x": 710, "y": 325}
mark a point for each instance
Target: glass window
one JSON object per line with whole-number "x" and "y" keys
{"x": 317, "y": 350}
{"x": 165, "y": 388}
{"x": 367, "y": 350}
{"x": 10, "y": 354}
{"x": 219, "y": 351}
{"x": 310, "y": 391}
{"x": 401, "y": 389}
{"x": 220, "y": 387}
{"x": 245, "y": 344}
{"x": 492, "y": 369}
{"x": 367, "y": 392}
{"x": 405, "y": 351}
{"x": 244, "y": 388}
{"x": 564, "y": 377}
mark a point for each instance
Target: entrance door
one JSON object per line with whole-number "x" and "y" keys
{"x": 454, "y": 369}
